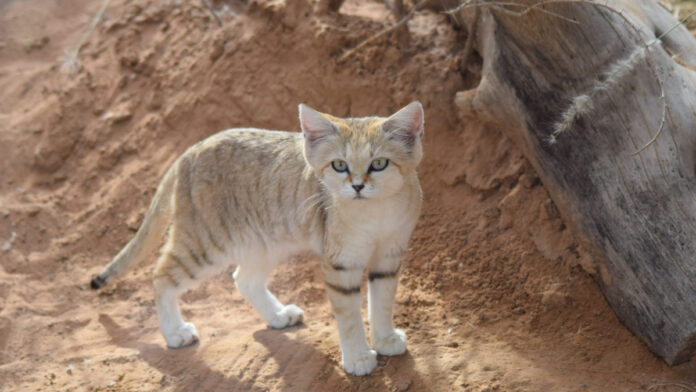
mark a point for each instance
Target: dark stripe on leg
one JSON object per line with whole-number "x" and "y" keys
{"x": 183, "y": 266}
{"x": 167, "y": 276}
{"x": 344, "y": 290}
{"x": 382, "y": 275}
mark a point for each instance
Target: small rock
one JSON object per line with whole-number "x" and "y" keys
{"x": 120, "y": 113}
{"x": 8, "y": 244}
{"x": 36, "y": 44}
{"x": 529, "y": 180}
{"x": 111, "y": 383}
{"x": 403, "y": 384}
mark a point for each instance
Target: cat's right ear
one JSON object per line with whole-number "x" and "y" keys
{"x": 315, "y": 126}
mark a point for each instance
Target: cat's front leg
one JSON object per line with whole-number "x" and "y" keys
{"x": 343, "y": 282}
{"x": 383, "y": 278}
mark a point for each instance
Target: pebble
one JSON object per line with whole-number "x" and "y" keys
{"x": 403, "y": 385}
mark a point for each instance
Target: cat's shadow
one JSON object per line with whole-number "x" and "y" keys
{"x": 300, "y": 365}
{"x": 303, "y": 367}
{"x": 187, "y": 372}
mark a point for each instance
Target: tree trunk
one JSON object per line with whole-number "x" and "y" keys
{"x": 597, "y": 83}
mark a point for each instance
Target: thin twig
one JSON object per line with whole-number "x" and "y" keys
{"x": 382, "y": 33}
{"x": 207, "y": 5}
{"x": 681, "y": 385}
{"x": 662, "y": 122}
{"x": 681, "y": 22}
{"x": 500, "y": 6}
{"x": 70, "y": 62}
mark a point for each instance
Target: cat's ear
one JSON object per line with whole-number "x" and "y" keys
{"x": 406, "y": 125}
{"x": 315, "y": 126}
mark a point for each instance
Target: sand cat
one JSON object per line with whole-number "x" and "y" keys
{"x": 346, "y": 189}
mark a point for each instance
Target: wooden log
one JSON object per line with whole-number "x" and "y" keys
{"x": 623, "y": 168}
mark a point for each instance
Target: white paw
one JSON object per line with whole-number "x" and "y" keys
{"x": 185, "y": 335}
{"x": 394, "y": 344}
{"x": 360, "y": 364}
{"x": 287, "y": 317}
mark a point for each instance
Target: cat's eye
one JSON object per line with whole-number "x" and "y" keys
{"x": 339, "y": 165}
{"x": 379, "y": 164}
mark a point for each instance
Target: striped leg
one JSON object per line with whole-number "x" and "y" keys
{"x": 381, "y": 289}
{"x": 343, "y": 286}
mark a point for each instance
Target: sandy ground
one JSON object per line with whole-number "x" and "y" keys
{"x": 494, "y": 296}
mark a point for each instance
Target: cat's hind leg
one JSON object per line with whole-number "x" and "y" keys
{"x": 170, "y": 280}
{"x": 252, "y": 283}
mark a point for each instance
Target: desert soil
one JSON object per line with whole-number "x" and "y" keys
{"x": 496, "y": 293}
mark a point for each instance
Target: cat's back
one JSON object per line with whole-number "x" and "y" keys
{"x": 256, "y": 179}
{"x": 248, "y": 148}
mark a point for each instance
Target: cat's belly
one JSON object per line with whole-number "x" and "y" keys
{"x": 267, "y": 250}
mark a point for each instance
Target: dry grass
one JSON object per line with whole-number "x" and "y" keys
{"x": 70, "y": 62}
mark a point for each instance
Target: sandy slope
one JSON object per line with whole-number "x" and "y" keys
{"x": 493, "y": 297}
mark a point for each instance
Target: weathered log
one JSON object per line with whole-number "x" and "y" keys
{"x": 602, "y": 69}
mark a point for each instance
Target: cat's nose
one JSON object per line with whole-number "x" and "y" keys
{"x": 358, "y": 187}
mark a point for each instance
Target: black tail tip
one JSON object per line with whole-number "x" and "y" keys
{"x": 97, "y": 282}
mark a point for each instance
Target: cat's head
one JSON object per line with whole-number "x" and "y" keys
{"x": 363, "y": 158}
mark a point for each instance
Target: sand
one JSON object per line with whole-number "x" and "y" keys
{"x": 496, "y": 293}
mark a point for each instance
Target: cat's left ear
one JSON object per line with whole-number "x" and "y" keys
{"x": 407, "y": 124}
{"x": 315, "y": 126}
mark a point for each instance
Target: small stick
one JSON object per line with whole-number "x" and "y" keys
{"x": 207, "y": 5}
{"x": 382, "y": 33}
{"x": 662, "y": 123}
{"x": 681, "y": 385}
{"x": 500, "y": 6}
{"x": 70, "y": 60}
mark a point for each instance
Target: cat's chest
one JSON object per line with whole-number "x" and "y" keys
{"x": 377, "y": 221}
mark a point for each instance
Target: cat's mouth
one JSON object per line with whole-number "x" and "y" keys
{"x": 359, "y": 197}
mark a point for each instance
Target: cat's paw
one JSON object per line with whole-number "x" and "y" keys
{"x": 360, "y": 364}
{"x": 287, "y": 317}
{"x": 393, "y": 344}
{"x": 183, "y": 336}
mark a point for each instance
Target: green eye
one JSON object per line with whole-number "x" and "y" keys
{"x": 379, "y": 164}
{"x": 339, "y": 166}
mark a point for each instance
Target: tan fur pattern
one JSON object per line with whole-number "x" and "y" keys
{"x": 254, "y": 197}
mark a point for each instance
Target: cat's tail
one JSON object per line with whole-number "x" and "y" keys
{"x": 148, "y": 236}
